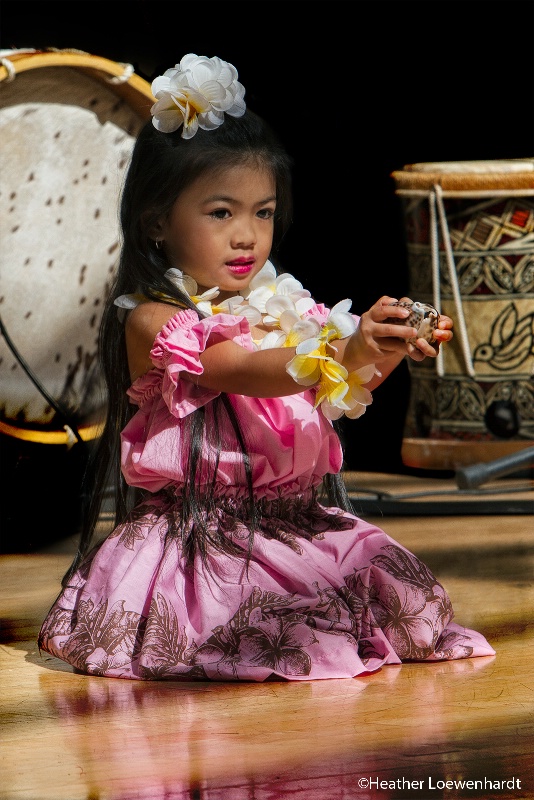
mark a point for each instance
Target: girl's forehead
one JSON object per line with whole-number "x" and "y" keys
{"x": 233, "y": 179}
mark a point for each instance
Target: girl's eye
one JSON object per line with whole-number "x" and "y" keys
{"x": 220, "y": 213}
{"x": 266, "y": 213}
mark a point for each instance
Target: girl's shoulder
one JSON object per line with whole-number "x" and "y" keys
{"x": 142, "y": 325}
{"x": 149, "y": 317}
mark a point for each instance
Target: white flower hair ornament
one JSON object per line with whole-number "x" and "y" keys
{"x": 196, "y": 93}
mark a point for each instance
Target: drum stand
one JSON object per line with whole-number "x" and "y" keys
{"x": 466, "y": 498}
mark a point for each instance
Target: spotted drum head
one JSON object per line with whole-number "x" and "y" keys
{"x": 67, "y": 133}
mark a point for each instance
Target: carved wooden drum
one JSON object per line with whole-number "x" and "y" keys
{"x": 470, "y": 245}
{"x": 68, "y": 121}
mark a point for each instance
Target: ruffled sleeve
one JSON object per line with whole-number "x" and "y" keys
{"x": 177, "y": 348}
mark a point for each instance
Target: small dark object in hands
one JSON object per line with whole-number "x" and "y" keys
{"x": 422, "y": 316}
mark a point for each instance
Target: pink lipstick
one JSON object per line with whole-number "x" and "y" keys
{"x": 240, "y": 266}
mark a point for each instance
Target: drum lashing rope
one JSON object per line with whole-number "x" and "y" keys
{"x": 453, "y": 277}
{"x": 70, "y": 427}
{"x": 126, "y": 75}
{"x": 440, "y": 369}
{"x": 11, "y": 72}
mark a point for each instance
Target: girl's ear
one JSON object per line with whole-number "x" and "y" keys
{"x": 154, "y": 229}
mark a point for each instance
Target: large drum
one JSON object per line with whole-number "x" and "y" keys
{"x": 68, "y": 122}
{"x": 470, "y": 244}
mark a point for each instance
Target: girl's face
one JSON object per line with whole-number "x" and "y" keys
{"x": 220, "y": 229}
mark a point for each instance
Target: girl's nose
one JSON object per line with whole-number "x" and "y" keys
{"x": 244, "y": 234}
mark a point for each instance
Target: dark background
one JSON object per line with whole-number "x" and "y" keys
{"x": 356, "y": 90}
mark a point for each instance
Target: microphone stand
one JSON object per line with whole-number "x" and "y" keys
{"x": 475, "y": 475}
{"x": 464, "y": 500}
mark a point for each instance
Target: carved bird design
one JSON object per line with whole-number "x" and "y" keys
{"x": 510, "y": 342}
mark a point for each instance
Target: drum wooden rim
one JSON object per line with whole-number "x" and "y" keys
{"x": 65, "y": 437}
{"x": 472, "y": 178}
{"x": 134, "y": 89}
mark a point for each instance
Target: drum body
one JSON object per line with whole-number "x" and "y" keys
{"x": 470, "y": 245}
{"x": 68, "y": 123}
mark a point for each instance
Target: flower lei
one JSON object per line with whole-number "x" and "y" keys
{"x": 281, "y": 302}
{"x": 196, "y": 93}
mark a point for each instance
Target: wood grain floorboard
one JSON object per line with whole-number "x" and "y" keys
{"x": 409, "y": 731}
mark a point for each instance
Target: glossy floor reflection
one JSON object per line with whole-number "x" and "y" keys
{"x": 403, "y": 732}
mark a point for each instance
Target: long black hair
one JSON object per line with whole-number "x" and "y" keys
{"x": 162, "y": 166}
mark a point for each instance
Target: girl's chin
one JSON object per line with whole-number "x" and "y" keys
{"x": 227, "y": 294}
{"x": 231, "y": 288}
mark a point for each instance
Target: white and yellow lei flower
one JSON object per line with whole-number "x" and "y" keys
{"x": 339, "y": 391}
{"x": 281, "y": 302}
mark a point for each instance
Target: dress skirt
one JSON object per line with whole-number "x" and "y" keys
{"x": 320, "y": 594}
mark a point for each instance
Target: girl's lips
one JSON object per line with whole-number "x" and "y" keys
{"x": 240, "y": 267}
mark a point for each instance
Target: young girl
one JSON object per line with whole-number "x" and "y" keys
{"x": 224, "y": 382}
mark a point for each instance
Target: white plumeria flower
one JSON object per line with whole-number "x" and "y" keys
{"x": 267, "y": 283}
{"x": 238, "y": 308}
{"x": 272, "y": 339}
{"x": 188, "y": 285}
{"x": 335, "y": 412}
{"x": 305, "y": 367}
{"x": 356, "y": 399}
{"x": 233, "y": 305}
{"x": 183, "y": 282}
{"x": 197, "y": 92}
{"x": 294, "y": 332}
{"x": 299, "y": 331}
{"x": 203, "y": 301}
{"x": 340, "y": 320}
{"x": 283, "y": 306}
{"x": 339, "y": 325}
{"x": 261, "y": 287}
{"x": 126, "y": 302}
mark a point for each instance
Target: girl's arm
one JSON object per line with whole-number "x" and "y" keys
{"x": 230, "y": 368}
{"x": 387, "y": 345}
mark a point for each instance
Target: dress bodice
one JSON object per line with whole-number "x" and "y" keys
{"x": 291, "y": 444}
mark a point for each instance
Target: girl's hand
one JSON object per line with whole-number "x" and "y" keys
{"x": 443, "y": 333}
{"x": 386, "y": 344}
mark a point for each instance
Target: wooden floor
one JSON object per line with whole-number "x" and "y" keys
{"x": 403, "y": 732}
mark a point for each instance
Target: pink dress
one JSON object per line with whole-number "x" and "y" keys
{"x": 325, "y": 595}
